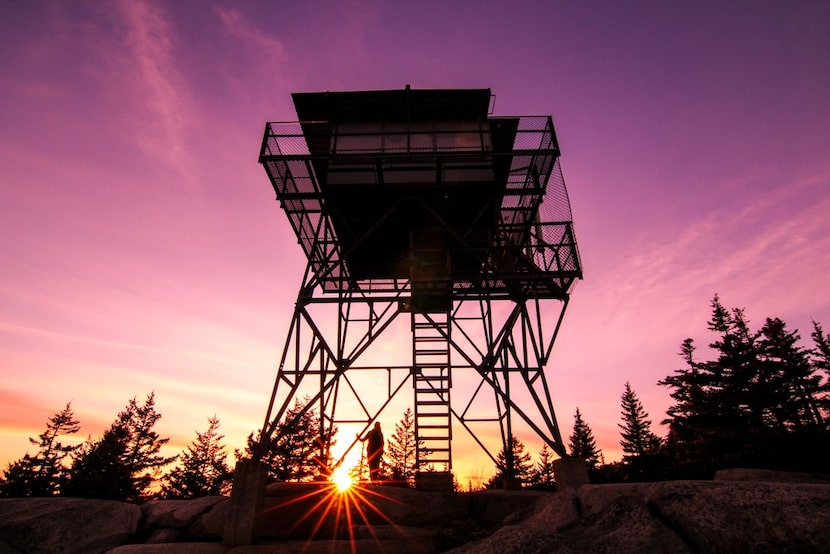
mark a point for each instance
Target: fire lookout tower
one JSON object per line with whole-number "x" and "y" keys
{"x": 427, "y": 220}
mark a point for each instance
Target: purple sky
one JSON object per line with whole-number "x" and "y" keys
{"x": 141, "y": 247}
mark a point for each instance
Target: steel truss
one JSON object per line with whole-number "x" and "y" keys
{"x": 494, "y": 348}
{"x": 466, "y": 320}
{"x": 497, "y": 346}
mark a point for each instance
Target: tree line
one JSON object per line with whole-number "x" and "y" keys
{"x": 763, "y": 401}
{"x": 124, "y": 463}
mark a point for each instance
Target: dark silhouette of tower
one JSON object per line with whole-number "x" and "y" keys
{"x": 423, "y": 216}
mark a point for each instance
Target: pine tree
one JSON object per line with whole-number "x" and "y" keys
{"x": 202, "y": 469}
{"x": 716, "y": 421}
{"x": 44, "y": 473}
{"x": 542, "y": 476}
{"x": 694, "y": 416}
{"x": 98, "y": 469}
{"x": 637, "y": 438}
{"x": 142, "y": 458}
{"x": 360, "y": 472}
{"x": 297, "y": 450}
{"x": 401, "y": 449}
{"x": 790, "y": 388}
{"x": 16, "y": 481}
{"x": 760, "y": 403}
{"x": 821, "y": 354}
{"x": 582, "y": 442}
{"x": 522, "y": 465}
{"x": 124, "y": 462}
{"x": 820, "y": 360}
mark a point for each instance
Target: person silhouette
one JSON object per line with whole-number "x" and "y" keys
{"x": 374, "y": 442}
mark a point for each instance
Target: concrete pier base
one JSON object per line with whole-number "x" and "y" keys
{"x": 570, "y": 473}
{"x": 247, "y": 500}
{"x": 434, "y": 481}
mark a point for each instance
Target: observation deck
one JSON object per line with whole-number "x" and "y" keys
{"x": 424, "y": 193}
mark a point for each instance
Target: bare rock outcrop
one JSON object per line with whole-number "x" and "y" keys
{"x": 65, "y": 525}
{"x": 771, "y": 476}
{"x": 745, "y": 516}
{"x": 174, "y": 520}
{"x": 674, "y": 516}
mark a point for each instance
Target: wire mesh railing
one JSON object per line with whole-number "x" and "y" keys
{"x": 532, "y": 243}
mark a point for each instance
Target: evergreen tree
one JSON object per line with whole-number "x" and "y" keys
{"x": 522, "y": 465}
{"x": 401, "y": 449}
{"x": 692, "y": 419}
{"x": 821, "y": 354}
{"x": 542, "y": 475}
{"x": 522, "y": 461}
{"x": 820, "y": 361}
{"x": 142, "y": 458}
{"x": 360, "y": 472}
{"x": 298, "y": 449}
{"x": 202, "y": 469}
{"x": 44, "y": 473}
{"x": 789, "y": 385}
{"x": 637, "y": 438}
{"x": 714, "y": 421}
{"x": 688, "y": 393}
{"x": 16, "y": 481}
{"x": 124, "y": 462}
{"x": 98, "y": 469}
{"x": 760, "y": 403}
{"x": 582, "y": 442}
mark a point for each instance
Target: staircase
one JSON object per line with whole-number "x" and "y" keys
{"x": 432, "y": 383}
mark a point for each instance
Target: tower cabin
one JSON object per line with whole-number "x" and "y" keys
{"x": 423, "y": 190}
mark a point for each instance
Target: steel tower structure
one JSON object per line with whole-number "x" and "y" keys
{"x": 440, "y": 259}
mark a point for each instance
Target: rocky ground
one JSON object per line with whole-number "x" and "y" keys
{"x": 742, "y": 511}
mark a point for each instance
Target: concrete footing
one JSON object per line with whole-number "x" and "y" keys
{"x": 247, "y": 499}
{"x": 434, "y": 481}
{"x": 570, "y": 473}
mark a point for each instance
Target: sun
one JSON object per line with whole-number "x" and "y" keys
{"x": 341, "y": 479}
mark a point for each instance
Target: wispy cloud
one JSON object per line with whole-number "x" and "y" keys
{"x": 767, "y": 248}
{"x": 768, "y": 252}
{"x": 165, "y": 101}
{"x": 237, "y": 25}
{"x": 261, "y": 81}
